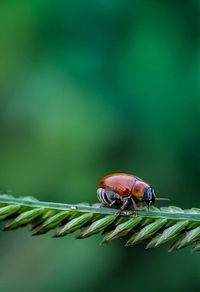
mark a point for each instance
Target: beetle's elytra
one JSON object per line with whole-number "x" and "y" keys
{"x": 122, "y": 190}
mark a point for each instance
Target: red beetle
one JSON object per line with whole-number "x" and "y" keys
{"x": 122, "y": 189}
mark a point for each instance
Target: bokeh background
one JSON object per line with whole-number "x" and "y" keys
{"x": 88, "y": 88}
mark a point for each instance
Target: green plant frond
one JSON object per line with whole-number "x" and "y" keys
{"x": 152, "y": 227}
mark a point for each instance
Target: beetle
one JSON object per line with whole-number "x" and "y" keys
{"x": 122, "y": 190}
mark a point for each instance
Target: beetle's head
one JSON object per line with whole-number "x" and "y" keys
{"x": 149, "y": 196}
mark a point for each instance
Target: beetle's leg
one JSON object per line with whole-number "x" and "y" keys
{"x": 103, "y": 205}
{"x": 125, "y": 203}
{"x": 134, "y": 205}
{"x": 112, "y": 203}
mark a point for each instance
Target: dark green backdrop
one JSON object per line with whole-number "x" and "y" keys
{"x": 88, "y": 88}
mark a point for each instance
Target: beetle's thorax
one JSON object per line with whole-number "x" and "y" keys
{"x": 138, "y": 189}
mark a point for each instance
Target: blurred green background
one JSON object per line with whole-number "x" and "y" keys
{"x": 88, "y": 88}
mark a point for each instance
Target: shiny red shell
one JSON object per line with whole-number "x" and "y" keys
{"x": 125, "y": 185}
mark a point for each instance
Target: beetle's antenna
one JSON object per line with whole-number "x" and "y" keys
{"x": 162, "y": 199}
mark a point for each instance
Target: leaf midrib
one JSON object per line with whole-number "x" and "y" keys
{"x": 104, "y": 211}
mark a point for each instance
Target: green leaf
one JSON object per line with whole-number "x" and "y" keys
{"x": 53, "y": 222}
{"x": 153, "y": 241}
{"x": 171, "y": 232}
{"x": 25, "y": 218}
{"x": 190, "y": 236}
{"x": 175, "y": 244}
{"x": 97, "y": 226}
{"x": 75, "y": 224}
{"x": 122, "y": 229}
{"x": 147, "y": 231}
{"x": 8, "y": 210}
{"x": 172, "y": 209}
{"x": 40, "y": 220}
{"x": 196, "y": 247}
